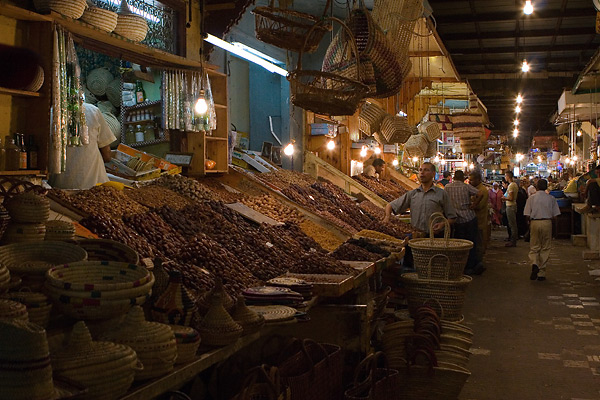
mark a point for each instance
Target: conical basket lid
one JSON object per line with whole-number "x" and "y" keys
{"x": 217, "y": 318}
{"x": 124, "y": 9}
{"x": 80, "y": 338}
{"x": 245, "y": 316}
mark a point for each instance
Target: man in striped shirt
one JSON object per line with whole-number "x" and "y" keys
{"x": 465, "y": 199}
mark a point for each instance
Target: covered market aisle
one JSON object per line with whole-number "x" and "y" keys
{"x": 535, "y": 340}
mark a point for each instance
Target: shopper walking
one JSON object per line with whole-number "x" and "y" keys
{"x": 465, "y": 199}
{"x": 541, "y": 208}
{"x": 446, "y": 179}
{"x": 495, "y": 196}
{"x": 481, "y": 210}
{"x": 510, "y": 199}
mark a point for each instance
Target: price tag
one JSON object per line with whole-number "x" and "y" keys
{"x": 182, "y": 159}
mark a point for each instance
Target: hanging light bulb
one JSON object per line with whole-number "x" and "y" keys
{"x": 519, "y": 98}
{"x": 539, "y": 159}
{"x": 516, "y": 122}
{"x": 377, "y": 150}
{"x": 525, "y": 66}
{"x": 363, "y": 152}
{"x": 518, "y": 109}
{"x": 528, "y": 9}
{"x": 567, "y": 160}
{"x": 436, "y": 159}
{"x": 578, "y": 133}
{"x": 289, "y": 149}
{"x": 471, "y": 166}
{"x": 395, "y": 162}
{"x": 415, "y": 159}
{"x": 331, "y": 145}
{"x": 574, "y": 158}
{"x": 515, "y": 133}
{"x": 201, "y": 106}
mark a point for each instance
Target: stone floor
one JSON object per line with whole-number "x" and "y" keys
{"x": 534, "y": 340}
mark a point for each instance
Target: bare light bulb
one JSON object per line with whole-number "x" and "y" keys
{"x": 528, "y": 9}
{"x": 330, "y": 145}
{"x": 363, "y": 152}
{"x": 574, "y": 158}
{"x": 201, "y": 106}
{"x": 471, "y": 166}
{"x": 515, "y": 133}
{"x": 415, "y": 159}
{"x": 359, "y": 164}
{"x": 395, "y": 162}
{"x": 519, "y": 98}
{"x": 436, "y": 159}
{"x": 578, "y": 133}
{"x": 518, "y": 109}
{"x": 377, "y": 150}
{"x": 516, "y": 122}
{"x": 567, "y": 160}
{"x": 539, "y": 159}
{"x": 289, "y": 149}
{"x": 525, "y": 66}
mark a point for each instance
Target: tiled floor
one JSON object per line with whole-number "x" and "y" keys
{"x": 534, "y": 340}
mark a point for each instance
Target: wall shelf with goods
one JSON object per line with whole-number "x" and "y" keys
{"x": 31, "y": 110}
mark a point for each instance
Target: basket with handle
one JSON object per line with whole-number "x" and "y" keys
{"x": 416, "y": 145}
{"x": 378, "y": 384}
{"x": 431, "y": 130}
{"x": 290, "y": 29}
{"x": 325, "y": 92}
{"x": 370, "y": 118}
{"x": 424, "y": 250}
{"x": 381, "y": 70}
{"x": 263, "y": 383}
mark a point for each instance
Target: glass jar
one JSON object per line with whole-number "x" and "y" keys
{"x": 139, "y": 133}
{"x": 130, "y": 134}
{"x": 149, "y": 132}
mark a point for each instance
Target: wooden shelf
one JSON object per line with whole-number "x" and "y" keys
{"x": 21, "y": 172}
{"x": 142, "y": 144}
{"x": 143, "y": 121}
{"x": 216, "y": 171}
{"x": 141, "y": 106}
{"x": 8, "y": 10}
{"x": 209, "y": 138}
{"x": 22, "y": 93}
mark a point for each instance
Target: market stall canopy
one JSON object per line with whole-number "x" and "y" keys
{"x": 576, "y": 107}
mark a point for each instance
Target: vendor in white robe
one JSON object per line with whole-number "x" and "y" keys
{"x": 85, "y": 164}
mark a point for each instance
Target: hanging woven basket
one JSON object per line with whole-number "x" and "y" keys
{"x": 370, "y": 118}
{"x": 129, "y": 25}
{"x": 289, "y": 29}
{"x": 103, "y": 19}
{"x": 325, "y": 92}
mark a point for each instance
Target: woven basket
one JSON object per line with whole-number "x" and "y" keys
{"x": 105, "y": 20}
{"x": 324, "y": 92}
{"x": 59, "y": 231}
{"x": 395, "y": 129}
{"x": 70, "y": 8}
{"x": 205, "y": 301}
{"x": 113, "y": 92}
{"x": 97, "y": 81}
{"x": 37, "y": 304}
{"x": 37, "y": 81}
{"x": 416, "y": 145}
{"x": 370, "y": 118}
{"x": 108, "y": 250}
{"x": 19, "y": 233}
{"x": 12, "y": 310}
{"x": 106, "y": 369}
{"x": 444, "y": 382}
{"x": 113, "y": 124}
{"x": 106, "y": 107}
{"x": 153, "y": 342}
{"x": 28, "y": 208}
{"x": 188, "y": 341}
{"x": 431, "y": 130}
{"x": 431, "y": 149}
{"x": 289, "y": 29}
{"x": 130, "y": 25}
{"x": 30, "y": 261}
{"x": 384, "y": 72}
{"x": 452, "y": 340}
{"x": 249, "y": 320}
{"x": 453, "y": 355}
{"x": 218, "y": 328}
{"x": 426, "y": 251}
{"x": 4, "y": 278}
{"x": 25, "y": 370}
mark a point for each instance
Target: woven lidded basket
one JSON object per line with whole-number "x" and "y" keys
{"x": 25, "y": 370}
{"x": 105, "y": 20}
{"x": 12, "y": 310}
{"x": 249, "y": 320}
{"x": 19, "y": 233}
{"x": 188, "y": 341}
{"x": 427, "y": 251}
{"x": 218, "y": 328}
{"x": 69, "y": 8}
{"x": 153, "y": 342}
{"x": 4, "y": 278}
{"x": 28, "y": 208}
{"x": 416, "y": 145}
{"x": 108, "y": 250}
{"x": 289, "y": 29}
{"x": 370, "y": 118}
{"x": 59, "y": 230}
{"x": 106, "y": 369}
{"x": 129, "y": 25}
{"x": 37, "y": 304}
{"x": 113, "y": 92}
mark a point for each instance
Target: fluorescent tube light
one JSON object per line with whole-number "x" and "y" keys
{"x": 245, "y": 55}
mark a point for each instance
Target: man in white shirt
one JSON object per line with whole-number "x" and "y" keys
{"x": 85, "y": 164}
{"x": 532, "y": 186}
{"x": 510, "y": 197}
{"x": 376, "y": 169}
{"x": 541, "y": 208}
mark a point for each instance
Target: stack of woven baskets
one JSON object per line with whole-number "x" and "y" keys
{"x": 4, "y": 278}
{"x": 153, "y": 342}
{"x": 385, "y": 128}
{"x": 37, "y": 304}
{"x": 30, "y": 261}
{"x": 188, "y": 341}
{"x": 29, "y": 213}
{"x": 98, "y": 290}
{"x": 468, "y": 126}
{"x": 440, "y": 263}
{"x": 59, "y": 231}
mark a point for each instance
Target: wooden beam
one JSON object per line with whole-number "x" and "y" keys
{"x": 426, "y": 54}
{"x": 457, "y": 52}
{"x": 220, "y": 7}
{"x": 454, "y": 19}
{"x": 583, "y": 29}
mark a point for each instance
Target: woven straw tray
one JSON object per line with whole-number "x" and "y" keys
{"x": 327, "y": 285}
